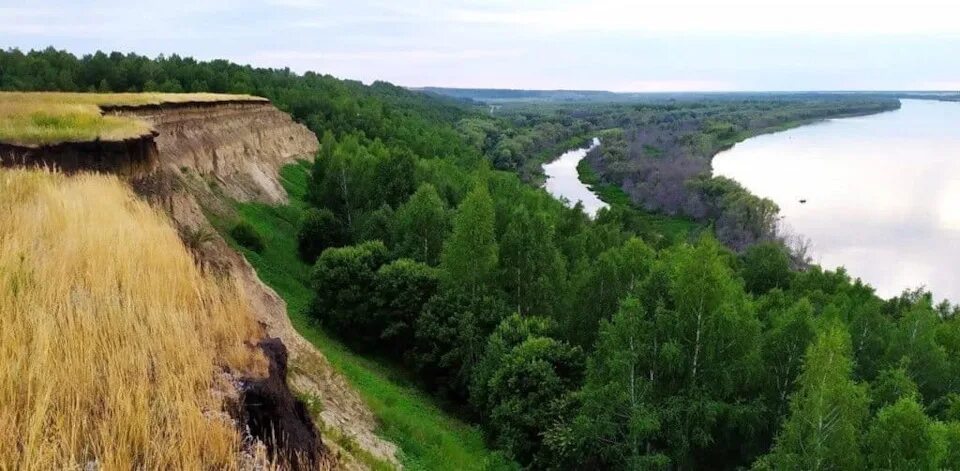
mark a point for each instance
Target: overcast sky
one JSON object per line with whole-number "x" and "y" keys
{"x": 600, "y": 44}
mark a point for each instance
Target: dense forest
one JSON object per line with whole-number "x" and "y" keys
{"x": 575, "y": 343}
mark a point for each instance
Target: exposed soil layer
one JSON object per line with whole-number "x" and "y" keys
{"x": 275, "y": 417}
{"x": 237, "y": 146}
{"x": 128, "y": 157}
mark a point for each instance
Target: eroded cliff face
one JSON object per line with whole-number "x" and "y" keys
{"x": 239, "y": 145}
{"x": 235, "y": 146}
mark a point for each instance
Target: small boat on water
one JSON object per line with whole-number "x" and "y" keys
{"x": 803, "y": 201}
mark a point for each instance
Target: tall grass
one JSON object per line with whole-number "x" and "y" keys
{"x": 33, "y": 118}
{"x": 111, "y": 340}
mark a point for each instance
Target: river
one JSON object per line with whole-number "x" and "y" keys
{"x": 882, "y": 192}
{"x": 564, "y": 183}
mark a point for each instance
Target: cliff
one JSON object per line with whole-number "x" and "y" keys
{"x": 236, "y": 145}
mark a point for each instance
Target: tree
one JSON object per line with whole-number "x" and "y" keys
{"x": 903, "y": 437}
{"x": 421, "y": 225}
{"x": 470, "y": 255}
{"x": 615, "y": 273}
{"x": 784, "y": 345}
{"x": 321, "y": 161}
{"x": 766, "y": 265}
{"x": 343, "y": 280}
{"x": 394, "y": 178}
{"x": 526, "y": 387}
{"x": 450, "y": 337}
{"x": 402, "y": 287}
{"x": 319, "y": 230}
{"x": 892, "y": 385}
{"x": 533, "y": 268}
{"x": 618, "y": 421}
{"x": 827, "y": 413}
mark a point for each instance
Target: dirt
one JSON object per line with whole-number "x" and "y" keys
{"x": 249, "y": 171}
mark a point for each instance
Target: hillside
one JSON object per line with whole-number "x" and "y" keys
{"x": 117, "y": 350}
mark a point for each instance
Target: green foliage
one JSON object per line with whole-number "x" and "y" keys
{"x": 826, "y": 414}
{"x": 766, "y": 266}
{"x": 319, "y": 230}
{"x": 470, "y": 254}
{"x": 421, "y": 225}
{"x": 617, "y": 401}
{"x": 525, "y": 387}
{"x": 343, "y": 279}
{"x": 401, "y": 289}
{"x": 903, "y": 437}
{"x": 427, "y": 436}
{"x": 245, "y": 235}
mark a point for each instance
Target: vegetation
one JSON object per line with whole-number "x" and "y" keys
{"x": 111, "y": 339}
{"x": 571, "y": 342}
{"x": 245, "y": 235}
{"x": 428, "y": 437}
{"x": 53, "y": 117}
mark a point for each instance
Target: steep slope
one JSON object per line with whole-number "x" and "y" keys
{"x": 199, "y": 158}
{"x": 116, "y": 351}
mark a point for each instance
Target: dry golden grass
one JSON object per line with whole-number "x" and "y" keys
{"x": 34, "y": 118}
{"x": 111, "y": 340}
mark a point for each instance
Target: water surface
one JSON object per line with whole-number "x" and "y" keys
{"x": 882, "y": 192}
{"x": 564, "y": 183}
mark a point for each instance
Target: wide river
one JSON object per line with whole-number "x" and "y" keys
{"x": 563, "y": 181}
{"x": 882, "y": 192}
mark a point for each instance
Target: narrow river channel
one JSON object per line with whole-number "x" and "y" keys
{"x": 564, "y": 183}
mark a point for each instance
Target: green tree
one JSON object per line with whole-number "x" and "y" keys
{"x": 618, "y": 421}
{"x": 527, "y": 387}
{"x": 766, "y": 265}
{"x": 319, "y": 230}
{"x": 891, "y": 385}
{"x": 533, "y": 268}
{"x": 450, "y": 337}
{"x": 343, "y": 280}
{"x": 420, "y": 226}
{"x": 827, "y": 412}
{"x": 470, "y": 255}
{"x": 318, "y": 175}
{"x": 401, "y": 289}
{"x": 782, "y": 350}
{"x": 903, "y": 437}
{"x": 615, "y": 273}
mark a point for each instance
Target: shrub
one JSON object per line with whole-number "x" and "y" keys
{"x": 319, "y": 230}
{"x": 247, "y": 236}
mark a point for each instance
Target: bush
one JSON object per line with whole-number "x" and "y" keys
{"x": 247, "y": 236}
{"x": 319, "y": 230}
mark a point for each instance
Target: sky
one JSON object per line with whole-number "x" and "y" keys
{"x": 616, "y": 45}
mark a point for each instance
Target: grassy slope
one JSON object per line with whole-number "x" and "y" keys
{"x": 109, "y": 333}
{"x": 36, "y": 118}
{"x": 428, "y": 437}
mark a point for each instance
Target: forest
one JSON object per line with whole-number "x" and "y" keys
{"x": 577, "y": 343}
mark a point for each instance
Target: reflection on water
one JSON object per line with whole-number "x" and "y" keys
{"x": 882, "y": 192}
{"x": 564, "y": 183}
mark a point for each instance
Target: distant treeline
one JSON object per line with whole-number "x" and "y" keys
{"x": 578, "y": 343}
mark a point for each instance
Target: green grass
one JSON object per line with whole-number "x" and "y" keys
{"x": 670, "y": 227}
{"x": 428, "y": 437}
